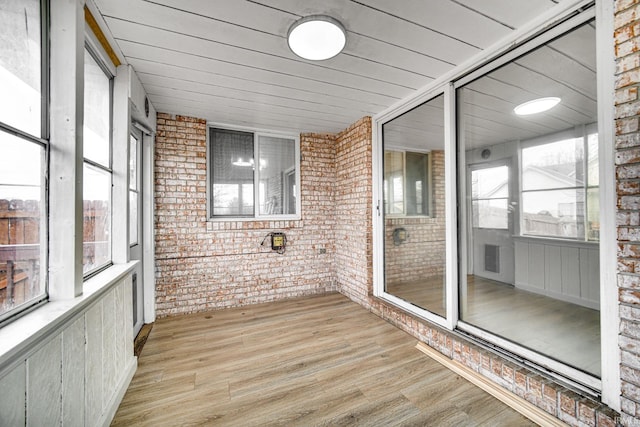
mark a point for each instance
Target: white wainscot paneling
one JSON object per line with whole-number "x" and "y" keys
{"x": 77, "y": 373}
{"x": 563, "y": 270}
{"x": 73, "y": 359}
{"x": 94, "y": 365}
{"x": 14, "y": 388}
{"x": 44, "y": 384}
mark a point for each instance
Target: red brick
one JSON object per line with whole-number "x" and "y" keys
{"x": 626, "y": 125}
{"x": 627, "y": 13}
{"x": 587, "y": 412}
{"x": 534, "y": 386}
{"x": 568, "y": 403}
{"x": 631, "y": 391}
{"x": 606, "y": 419}
{"x": 630, "y": 93}
{"x": 627, "y": 141}
{"x": 628, "y": 156}
{"x": 627, "y": 47}
{"x": 208, "y": 265}
{"x": 520, "y": 379}
{"x": 626, "y": 32}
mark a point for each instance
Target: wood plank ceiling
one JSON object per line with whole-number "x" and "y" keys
{"x": 228, "y": 60}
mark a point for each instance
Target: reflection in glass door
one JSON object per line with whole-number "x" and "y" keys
{"x": 414, "y": 207}
{"x": 531, "y": 206}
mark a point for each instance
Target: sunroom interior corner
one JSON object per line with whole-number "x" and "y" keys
{"x": 505, "y": 241}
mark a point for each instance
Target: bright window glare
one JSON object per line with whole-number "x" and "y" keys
{"x": 97, "y": 184}
{"x": 96, "y": 112}
{"x": 490, "y": 183}
{"x": 20, "y": 168}
{"x": 23, "y": 112}
{"x": 20, "y": 65}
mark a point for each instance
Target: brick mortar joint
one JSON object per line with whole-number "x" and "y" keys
{"x": 617, "y": 11}
{"x": 621, "y": 59}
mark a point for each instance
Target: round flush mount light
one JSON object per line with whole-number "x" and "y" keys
{"x": 536, "y": 106}
{"x": 317, "y": 37}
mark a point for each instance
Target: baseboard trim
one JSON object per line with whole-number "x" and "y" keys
{"x": 114, "y": 403}
{"x": 519, "y": 404}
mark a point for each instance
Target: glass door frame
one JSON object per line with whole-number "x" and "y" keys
{"x": 450, "y": 214}
{"x": 564, "y": 18}
{"x": 581, "y": 379}
{"x": 136, "y": 250}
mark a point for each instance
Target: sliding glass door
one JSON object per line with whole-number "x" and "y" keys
{"x": 414, "y": 207}
{"x": 530, "y": 203}
{"x": 488, "y": 204}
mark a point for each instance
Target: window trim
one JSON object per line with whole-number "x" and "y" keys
{"x": 43, "y": 296}
{"x": 43, "y": 141}
{"x": 256, "y": 178}
{"x": 100, "y": 61}
{"x": 582, "y": 380}
{"x": 579, "y": 132}
{"x": 378, "y": 215}
{"x": 490, "y": 165}
{"x": 404, "y": 152}
{"x": 137, "y": 135}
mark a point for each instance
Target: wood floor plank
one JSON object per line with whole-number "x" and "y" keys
{"x": 316, "y": 361}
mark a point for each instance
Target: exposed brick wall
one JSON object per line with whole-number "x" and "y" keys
{"x": 203, "y": 265}
{"x": 627, "y": 49}
{"x": 353, "y": 200}
{"x": 208, "y": 265}
{"x": 423, "y": 253}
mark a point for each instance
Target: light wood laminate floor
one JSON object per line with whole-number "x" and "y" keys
{"x": 307, "y": 362}
{"x": 564, "y": 331}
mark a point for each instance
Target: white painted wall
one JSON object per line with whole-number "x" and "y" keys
{"x": 77, "y": 373}
{"x": 137, "y": 95}
{"x": 500, "y": 238}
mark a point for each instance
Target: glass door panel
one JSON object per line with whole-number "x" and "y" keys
{"x": 413, "y": 213}
{"x": 530, "y": 205}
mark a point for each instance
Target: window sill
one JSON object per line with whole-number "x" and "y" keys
{"x": 228, "y": 224}
{"x": 557, "y": 242}
{"x": 23, "y": 334}
{"x": 254, "y": 218}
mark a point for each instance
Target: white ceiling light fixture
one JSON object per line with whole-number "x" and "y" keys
{"x": 317, "y": 37}
{"x": 536, "y": 106}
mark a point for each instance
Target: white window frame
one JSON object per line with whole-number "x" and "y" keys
{"x": 257, "y": 133}
{"x": 581, "y": 132}
{"x": 94, "y": 52}
{"x": 42, "y": 140}
{"x": 67, "y": 33}
{"x": 134, "y": 187}
{"x": 429, "y": 184}
{"x": 450, "y": 215}
{"x": 555, "y": 22}
{"x": 490, "y": 165}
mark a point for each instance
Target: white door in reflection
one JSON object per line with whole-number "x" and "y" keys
{"x": 491, "y": 223}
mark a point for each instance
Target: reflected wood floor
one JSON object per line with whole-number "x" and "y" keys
{"x": 307, "y": 362}
{"x": 562, "y": 330}
{"x": 428, "y": 293}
